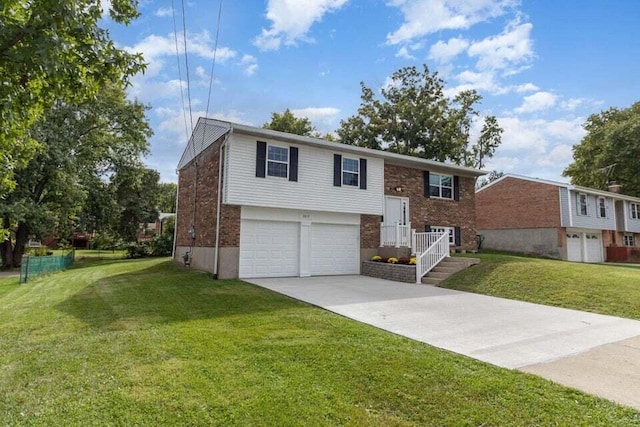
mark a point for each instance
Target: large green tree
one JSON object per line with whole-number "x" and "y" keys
{"x": 167, "y": 193}
{"x": 52, "y": 51}
{"x": 610, "y": 151}
{"x": 136, "y": 192}
{"x": 288, "y": 122}
{"x": 413, "y": 116}
{"x": 81, "y": 144}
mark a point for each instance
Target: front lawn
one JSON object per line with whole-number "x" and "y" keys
{"x": 146, "y": 342}
{"x": 599, "y": 288}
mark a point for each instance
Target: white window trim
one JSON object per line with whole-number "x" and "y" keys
{"x": 579, "y": 204}
{"x": 450, "y": 230}
{"x": 440, "y": 186}
{"x": 635, "y": 211}
{"x": 278, "y": 161}
{"x": 352, "y": 172}
{"x": 632, "y": 240}
{"x": 598, "y": 207}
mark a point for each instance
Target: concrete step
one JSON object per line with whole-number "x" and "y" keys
{"x": 431, "y": 281}
{"x": 444, "y": 269}
{"x": 438, "y": 275}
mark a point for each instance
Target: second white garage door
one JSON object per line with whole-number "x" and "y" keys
{"x": 335, "y": 249}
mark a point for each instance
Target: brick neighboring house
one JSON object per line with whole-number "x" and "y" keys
{"x": 535, "y": 216}
{"x": 254, "y": 202}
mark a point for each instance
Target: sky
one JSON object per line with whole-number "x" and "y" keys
{"x": 542, "y": 67}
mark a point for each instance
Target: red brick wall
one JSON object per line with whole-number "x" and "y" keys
{"x": 206, "y": 195}
{"x": 369, "y": 231}
{"x": 516, "y": 203}
{"x": 431, "y": 211}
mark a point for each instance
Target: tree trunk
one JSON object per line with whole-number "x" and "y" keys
{"x": 6, "y": 250}
{"x": 22, "y": 234}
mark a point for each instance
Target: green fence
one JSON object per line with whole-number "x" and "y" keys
{"x": 33, "y": 266}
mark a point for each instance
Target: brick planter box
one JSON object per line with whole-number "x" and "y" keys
{"x": 383, "y": 270}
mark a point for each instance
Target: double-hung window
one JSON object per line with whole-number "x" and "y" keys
{"x": 634, "y": 210}
{"x": 629, "y": 240}
{"x": 450, "y": 230}
{"x": 278, "y": 161}
{"x": 350, "y": 172}
{"x": 581, "y": 200}
{"x": 602, "y": 207}
{"x": 441, "y": 186}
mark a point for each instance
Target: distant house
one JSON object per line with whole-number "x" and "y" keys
{"x": 148, "y": 230}
{"x": 254, "y": 202}
{"x": 536, "y": 216}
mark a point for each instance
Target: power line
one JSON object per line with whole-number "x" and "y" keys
{"x": 186, "y": 62}
{"x": 175, "y": 37}
{"x": 213, "y": 61}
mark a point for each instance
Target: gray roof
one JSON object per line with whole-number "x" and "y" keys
{"x": 214, "y": 129}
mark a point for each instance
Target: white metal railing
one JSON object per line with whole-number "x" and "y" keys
{"x": 421, "y": 241}
{"x": 395, "y": 235}
{"x": 432, "y": 254}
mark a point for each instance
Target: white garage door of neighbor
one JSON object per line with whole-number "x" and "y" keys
{"x": 574, "y": 247}
{"x": 335, "y": 249}
{"x": 594, "y": 247}
{"x": 269, "y": 248}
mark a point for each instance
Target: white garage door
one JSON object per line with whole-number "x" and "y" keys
{"x": 269, "y": 248}
{"x": 574, "y": 246}
{"x": 594, "y": 247}
{"x": 335, "y": 249}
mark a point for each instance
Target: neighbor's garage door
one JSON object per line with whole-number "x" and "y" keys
{"x": 335, "y": 249}
{"x": 591, "y": 242}
{"x": 594, "y": 247}
{"x": 269, "y": 248}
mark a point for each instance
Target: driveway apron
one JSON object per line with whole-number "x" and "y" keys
{"x": 513, "y": 334}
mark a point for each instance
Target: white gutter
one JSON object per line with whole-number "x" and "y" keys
{"x": 220, "y": 162}
{"x": 175, "y": 224}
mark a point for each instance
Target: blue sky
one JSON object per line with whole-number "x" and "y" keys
{"x": 542, "y": 67}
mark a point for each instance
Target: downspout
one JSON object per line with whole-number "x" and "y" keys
{"x": 218, "y": 205}
{"x": 175, "y": 223}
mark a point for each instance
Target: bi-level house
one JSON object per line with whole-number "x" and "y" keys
{"x": 254, "y": 202}
{"x": 536, "y": 216}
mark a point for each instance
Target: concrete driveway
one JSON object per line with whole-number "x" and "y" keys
{"x": 512, "y": 334}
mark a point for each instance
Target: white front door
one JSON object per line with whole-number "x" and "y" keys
{"x": 396, "y": 210}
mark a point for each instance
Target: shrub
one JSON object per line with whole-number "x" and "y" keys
{"x": 40, "y": 251}
{"x": 376, "y": 258}
{"x": 403, "y": 260}
{"x": 392, "y": 260}
{"x": 137, "y": 250}
{"x": 161, "y": 245}
{"x": 413, "y": 261}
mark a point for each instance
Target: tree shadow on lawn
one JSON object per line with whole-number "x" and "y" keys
{"x": 165, "y": 293}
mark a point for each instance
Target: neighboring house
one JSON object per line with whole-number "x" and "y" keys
{"x": 148, "y": 230}
{"x": 254, "y": 202}
{"x": 530, "y": 215}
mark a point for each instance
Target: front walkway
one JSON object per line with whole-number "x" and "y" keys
{"x": 507, "y": 333}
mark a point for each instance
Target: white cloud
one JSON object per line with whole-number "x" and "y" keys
{"x": 423, "y": 17}
{"x": 153, "y": 91}
{"x": 155, "y": 48}
{"x": 249, "y": 63}
{"x": 446, "y": 51}
{"x": 403, "y": 52}
{"x": 250, "y": 70}
{"x": 172, "y": 120}
{"x": 537, "y": 102}
{"x": 291, "y": 20}
{"x": 572, "y": 103}
{"x": 526, "y": 87}
{"x": 510, "y": 48}
{"x": 317, "y": 114}
{"x": 163, "y": 11}
{"x": 480, "y": 81}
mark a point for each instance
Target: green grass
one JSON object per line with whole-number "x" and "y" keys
{"x": 146, "y": 342}
{"x": 599, "y": 288}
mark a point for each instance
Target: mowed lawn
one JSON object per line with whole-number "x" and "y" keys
{"x": 599, "y": 288}
{"x": 146, "y": 342}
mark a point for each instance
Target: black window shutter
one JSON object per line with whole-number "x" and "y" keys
{"x": 456, "y": 187}
{"x": 457, "y": 236}
{"x": 293, "y": 163}
{"x": 426, "y": 183}
{"x": 261, "y": 159}
{"x": 363, "y": 174}
{"x": 427, "y": 228}
{"x": 337, "y": 170}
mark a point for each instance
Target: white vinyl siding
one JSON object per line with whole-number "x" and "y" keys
{"x": 633, "y": 223}
{"x": 592, "y": 220}
{"x": 314, "y": 189}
